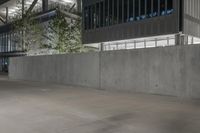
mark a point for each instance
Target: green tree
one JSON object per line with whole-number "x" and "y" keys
{"x": 65, "y": 34}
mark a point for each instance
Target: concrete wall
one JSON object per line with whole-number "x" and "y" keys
{"x": 76, "y": 69}
{"x": 171, "y": 71}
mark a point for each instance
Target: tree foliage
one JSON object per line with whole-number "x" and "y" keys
{"x": 65, "y": 34}
{"x": 61, "y": 33}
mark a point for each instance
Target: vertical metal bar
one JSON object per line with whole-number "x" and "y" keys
{"x": 134, "y": 44}
{"x": 117, "y": 11}
{"x": 145, "y": 12}
{"x": 158, "y": 7}
{"x": 156, "y": 42}
{"x": 108, "y": 15}
{"x": 167, "y": 41}
{"x": 133, "y": 9}
{"x": 104, "y": 12}
{"x": 113, "y": 11}
{"x": 6, "y": 14}
{"x": 139, "y": 8}
{"x": 45, "y": 5}
{"x": 128, "y": 10}
{"x": 122, "y": 11}
{"x": 22, "y": 8}
{"x": 152, "y": 7}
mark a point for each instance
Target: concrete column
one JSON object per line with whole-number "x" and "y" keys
{"x": 45, "y": 4}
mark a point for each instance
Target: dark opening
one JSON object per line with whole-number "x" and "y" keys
{"x": 131, "y": 18}
{"x": 155, "y": 8}
{"x": 86, "y": 18}
{"x": 149, "y": 9}
{"x": 110, "y": 11}
{"x": 162, "y": 7}
{"x": 137, "y": 17}
{"x": 142, "y": 9}
{"x": 120, "y": 11}
{"x": 97, "y": 15}
{"x": 101, "y": 14}
{"x": 89, "y": 17}
{"x": 106, "y": 13}
{"x": 126, "y": 10}
{"x": 170, "y": 6}
{"x": 115, "y": 12}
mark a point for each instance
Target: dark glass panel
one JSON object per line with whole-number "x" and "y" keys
{"x": 155, "y": 8}
{"x": 137, "y": 17}
{"x": 126, "y": 8}
{"x": 131, "y": 17}
{"x": 120, "y": 10}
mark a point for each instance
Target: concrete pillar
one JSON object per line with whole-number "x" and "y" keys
{"x": 45, "y": 5}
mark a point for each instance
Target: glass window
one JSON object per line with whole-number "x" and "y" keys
{"x": 131, "y": 17}
{"x": 137, "y": 17}
{"x": 155, "y": 8}
{"x": 126, "y": 10}
{"x": 149, "y": 8}
{"x": 142, "y": 9}
{"x": 162, "y": 7}
{"x": 120, "y": 10}
{"x": 101, "y": 14}
{"x": 93, "y": 17}
{"x": 110, "y": 11}
{"x": 97, "y": 16}
{"x": 169, "y": 6}
{"x": 115, "y": 12}
{"x": 106, "y": 13}
{"x": 89, "y": 17}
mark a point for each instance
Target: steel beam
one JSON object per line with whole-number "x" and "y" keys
{"x": 2, "y": 19}
{"x": 6, "y": 14}
{"x": 31, "y": 7}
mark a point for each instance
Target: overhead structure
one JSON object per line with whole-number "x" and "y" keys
{"x": 44, "y": 10}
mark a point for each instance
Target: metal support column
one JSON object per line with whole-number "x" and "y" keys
{"x": 45, "y": 4}
{"x": 7, "y": 14}
{"x": 23, "y": 8}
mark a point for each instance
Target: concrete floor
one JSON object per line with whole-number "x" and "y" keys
{"x": 31, "y": 107}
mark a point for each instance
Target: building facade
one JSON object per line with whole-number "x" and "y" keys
{"x": 117, "y": 20}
